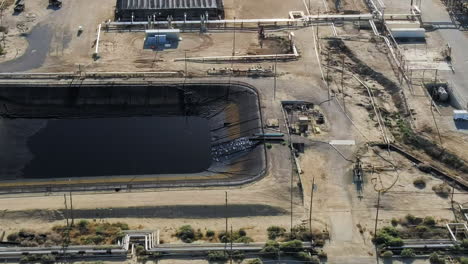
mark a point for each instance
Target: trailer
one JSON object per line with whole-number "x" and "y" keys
{"x": 460, "y": 115}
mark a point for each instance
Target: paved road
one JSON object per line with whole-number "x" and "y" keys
{"x": 39, "y": 40}
{"x": 434, "y": 12}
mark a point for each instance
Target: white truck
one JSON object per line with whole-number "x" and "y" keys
{"x": 460, "y": 115}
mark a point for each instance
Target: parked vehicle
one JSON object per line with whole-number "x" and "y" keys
{"x": 460, "y": 115}
{"x": 19, "y": 7}
{"x": 55, "y": 3}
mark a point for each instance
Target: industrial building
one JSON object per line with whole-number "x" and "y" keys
{"x": 143, "y": 10}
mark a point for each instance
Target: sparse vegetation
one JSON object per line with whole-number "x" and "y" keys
{"x": 239, "y": 236}
{"x": 83, "y": 233}
{"x": 388, "y": 236}
{"x": 443, "y": 189}
{"x": 420, "y": 183}
{"x": 395, "y": 222}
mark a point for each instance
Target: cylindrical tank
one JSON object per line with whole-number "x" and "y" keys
{"x": 442, "y": 94}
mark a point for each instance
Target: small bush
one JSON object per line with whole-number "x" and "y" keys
{"x": 464, "y": 243}
{"x": 302, "y": 233}
{"x": 83, "y": 226}
{"x": 411, "y": 219}
{"x": 12, "y": 237}
{"x": 463, "y": 260}
{"x": 434, "y": 258}
{"x": 395, "y": 222}
{"x": 98, "y": 239}
{"x": 238, "y": 255}
{"x": 275, "y": 232}
{"x": 244, "y": 239}
{"x": 271, "y": 249}
{"x": 48, "y": 259}
{"x": 303, "y": 256}
{"x": 291, "y": 246}
{"x": 387, "y": 254}
{"x": 420, "y": 183}
{"x": 395, "y": 242}
{"x": 443, "y": 190}
{"x": 429, "y": 221}
{"x": 322, "y": 254}
{"x": 186, "y": 234}
{"x": 210, "y": 233}
{"x": 217, "y": 256}
{"x": 407, "y": 253}
{"x": 269, "y": 146}
{"x": 255, "y": 261}
{"x": 242, "y": 233}
{"x": 122, "y": 226}
{"x": 140, "y": 250}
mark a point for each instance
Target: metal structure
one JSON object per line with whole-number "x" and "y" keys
{"x": 144, "y": 10}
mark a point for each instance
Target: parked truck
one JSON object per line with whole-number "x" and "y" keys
{"x": 19, "y": 7}
{"x": 460, "y": 115}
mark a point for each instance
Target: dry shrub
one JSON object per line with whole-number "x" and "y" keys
{"x": 443, "y": 189}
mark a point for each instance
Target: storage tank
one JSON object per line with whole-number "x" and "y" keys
{"x": 441, "y": 94}
{"x": 408, "y": 33}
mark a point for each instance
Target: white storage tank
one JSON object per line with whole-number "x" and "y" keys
{"x": 408, "y": 33}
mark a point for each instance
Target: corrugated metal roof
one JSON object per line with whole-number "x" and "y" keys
{"x": 166, "y": 4}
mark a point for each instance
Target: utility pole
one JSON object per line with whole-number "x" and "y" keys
{"x": 377, "y": 214}
{"x": 311, "y": 203}
{"x": 234, "y": 39}
{"x": 230, "y": 257}
{"x": 328, "y": 76}
{"x": 453, "y": 192}
{"x": 274, "y": 87}
{"x": 342, "y": 81}
{"x": 71, "y": 209}
{"x": 66, "y": 209}
{"x": 292, "y": 174}
{"x": 226, "y": 230}
{"x": 186, "y": 73}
